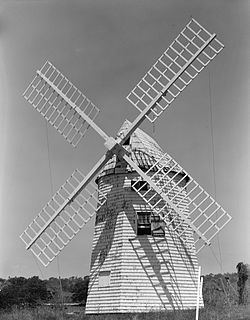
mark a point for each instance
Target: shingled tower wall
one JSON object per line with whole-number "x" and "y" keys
{"x": 132, "y": 271}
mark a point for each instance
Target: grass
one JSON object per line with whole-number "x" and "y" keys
{"x": 233, "y": 312}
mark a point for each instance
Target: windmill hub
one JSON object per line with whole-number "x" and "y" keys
{"x": 115, "y": 148}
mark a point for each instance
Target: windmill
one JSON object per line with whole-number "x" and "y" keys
{"x": 152, "y": 217}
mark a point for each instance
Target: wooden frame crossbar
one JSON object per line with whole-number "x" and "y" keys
{"x": 185, "y": 58}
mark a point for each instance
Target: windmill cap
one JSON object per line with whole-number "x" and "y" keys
{"x": 144, "y": 151}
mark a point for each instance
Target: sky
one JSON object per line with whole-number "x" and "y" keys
{"x": 104, "y": 47}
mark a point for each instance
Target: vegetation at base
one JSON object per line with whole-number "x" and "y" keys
{"x": 25, "y": 299}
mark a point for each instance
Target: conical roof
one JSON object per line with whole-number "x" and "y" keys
{"x": 143, "y": 149}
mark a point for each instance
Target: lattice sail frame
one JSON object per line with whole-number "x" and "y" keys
{"x": 71, "y": 113}
{"x": 57, "y": 100}
{"x": 201, "y": 210}
{"x": 185, "y": 58}
{"x": 45, "y": 241}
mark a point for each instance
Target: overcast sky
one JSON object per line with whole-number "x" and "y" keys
{"x": 104, "y": 47}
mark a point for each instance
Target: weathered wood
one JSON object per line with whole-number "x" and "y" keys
{"x": 146, "y": 272}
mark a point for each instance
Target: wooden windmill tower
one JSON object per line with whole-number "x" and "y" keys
{"x": 152, "y": 217}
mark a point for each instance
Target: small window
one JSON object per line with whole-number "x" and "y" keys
{"x": 143, "y": 223}
{"x": 104, "y": 279}
{"x": 157, "y": 226}
{"x": 139, "y": 185}
{"x": 127, "y": 142}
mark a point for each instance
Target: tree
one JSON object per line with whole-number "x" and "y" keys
{"x": 80, "y": 290}
{"x": 20, "y": 291}
{"x": 35, "y": 291}
{"x": 241, "y": 283}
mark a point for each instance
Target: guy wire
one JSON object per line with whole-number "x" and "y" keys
{"x": 213, "y": 158}
{"x": 52, "y": 192}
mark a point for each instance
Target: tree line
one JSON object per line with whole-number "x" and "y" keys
{"x": 19, "y": 291}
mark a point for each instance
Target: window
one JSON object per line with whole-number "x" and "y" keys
{"x": 139, "y": 185}
{"x": 157, "y": 226}
{"x": 150, "y": 224}
{"x": 143, "y": 223}
{"x": 104, "y": 279}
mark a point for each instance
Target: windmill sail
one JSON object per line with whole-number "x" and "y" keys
{"x": 180, "y": 201}
{"x": 62, "y": 218}
{"x": 61, "y": 103}
{"x": 184, "y": 59}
